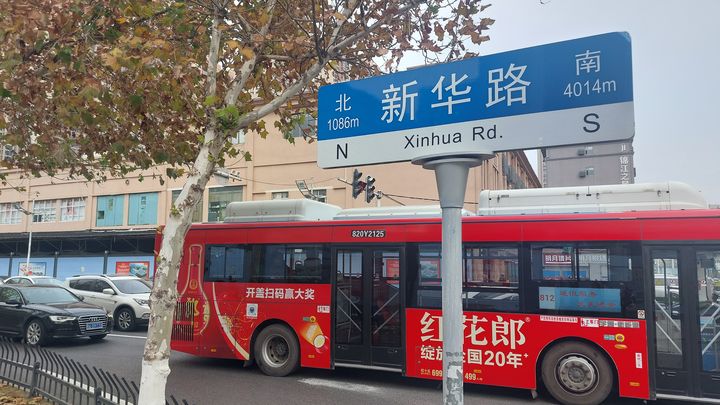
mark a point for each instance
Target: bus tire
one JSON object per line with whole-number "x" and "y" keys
{"x": 577, "y": 373}
{"x": 277, "y": 351}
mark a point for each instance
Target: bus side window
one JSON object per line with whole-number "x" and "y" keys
{"x": 273, "y": 268}
{"x": 491, "y": 278}
{"x": 302, "y": 264}
{"x": 555, "y": 262}
{"x": 428, "y": 288}
{"x": 226, "y": 263}
{"x": 586, "y": 277}
{"x": 215, "y": 267}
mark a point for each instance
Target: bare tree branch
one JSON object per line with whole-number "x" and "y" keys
{"x": 238, "y": 84}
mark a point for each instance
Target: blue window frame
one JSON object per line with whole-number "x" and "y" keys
{"x": 142, "y": 209}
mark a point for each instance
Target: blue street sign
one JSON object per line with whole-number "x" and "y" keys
{"x": 571, "y": 92}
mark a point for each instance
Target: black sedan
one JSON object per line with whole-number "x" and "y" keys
{"x": 40, "y": 314}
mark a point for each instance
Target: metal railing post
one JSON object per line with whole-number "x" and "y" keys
{"x": 98, "y": 395}
{"x": 34, "y": 379}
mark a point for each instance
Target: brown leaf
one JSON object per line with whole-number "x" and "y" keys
{"x": 247, "y": 52}
{"x": 111, "y": 62}
{"x": 439, "y": 32}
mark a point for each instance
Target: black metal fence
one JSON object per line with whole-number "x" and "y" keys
{"x": 62, "y": 380}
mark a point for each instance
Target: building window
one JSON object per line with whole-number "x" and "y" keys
{"x": 9, "y": 214}
{"x": 280, "y": 195}
{"x": 306, "y": 126}
{"x": 44, "y": 211}
{"x": 110, "y": 210}
{"x": 8, "y": 151}
{"x": 320, "y": 195}
{"x": 72, "y": 209}
{"x": 219, "y": 198}
{"x": 142, "y": 209}
{"x": 197, "y": 215}
{"x": 238, "y": 138}
{"x": 589, "y": 171}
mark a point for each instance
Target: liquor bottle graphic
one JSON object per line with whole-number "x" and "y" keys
{"x": 313, "y": 334}
{"x": 194, "y": 288}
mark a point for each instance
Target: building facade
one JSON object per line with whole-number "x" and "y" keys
{"x": 81, "y": 227}
{"x": 587, "y": 165}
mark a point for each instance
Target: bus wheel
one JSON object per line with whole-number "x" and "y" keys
{"x": 576, "y": 373}
{"x": 277, "y": 351}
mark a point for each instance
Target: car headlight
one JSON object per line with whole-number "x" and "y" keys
{"x": 145, "y": 303}
{"x": 62, "y": 318}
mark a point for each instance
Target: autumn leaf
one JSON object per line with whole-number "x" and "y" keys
{"x": 247, "y": 53}
{"x": 439, "y": 32}
{"x": 111, "y": 61}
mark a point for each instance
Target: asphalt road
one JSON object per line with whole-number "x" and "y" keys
{"x": 215, "y": 381}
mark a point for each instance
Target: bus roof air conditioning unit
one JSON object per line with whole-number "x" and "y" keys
{"x": 609, "y": 198}
{"x": 280, "y": 211}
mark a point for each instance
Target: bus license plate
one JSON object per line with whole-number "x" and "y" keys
{"x": 94, "y": 325}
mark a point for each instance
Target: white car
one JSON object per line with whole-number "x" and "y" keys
{"x": 125, "y": 297}
{"x": 32, "y": 280}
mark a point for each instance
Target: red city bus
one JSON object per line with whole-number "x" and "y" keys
{"x": 582, "y": 303}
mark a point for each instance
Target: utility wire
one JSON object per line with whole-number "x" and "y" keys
{"x": 383, "y": 195}
{"x": 279, "y": 184}
{"x": 421, "y": 198}
{"x": 403, "y": 196}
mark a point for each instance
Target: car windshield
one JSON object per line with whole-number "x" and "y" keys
{"x": 131, "y": 286}
{"x": 48, "y": 295}
{"x": 48, "y": 281}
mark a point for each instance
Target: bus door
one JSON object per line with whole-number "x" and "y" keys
{"x": 368, "y": 311}
{"x": 687, "y": 320}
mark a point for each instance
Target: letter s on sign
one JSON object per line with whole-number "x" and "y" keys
{"x": 587, "y": 120}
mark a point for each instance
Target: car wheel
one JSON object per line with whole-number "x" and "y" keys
{"x": 577, "y": 373}
{"x": 125, "y": 319}
{"x": 277, "y": 351}
{"x": 35, "y": 333}
{"x": 97, "y": 337}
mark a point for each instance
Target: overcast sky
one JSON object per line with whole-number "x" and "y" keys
{"x": 676, "y": 73}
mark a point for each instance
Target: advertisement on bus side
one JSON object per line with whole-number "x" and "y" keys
{"x": 503, "y": 348}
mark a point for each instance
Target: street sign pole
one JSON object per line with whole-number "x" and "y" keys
{"x": 451, "y": 175}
